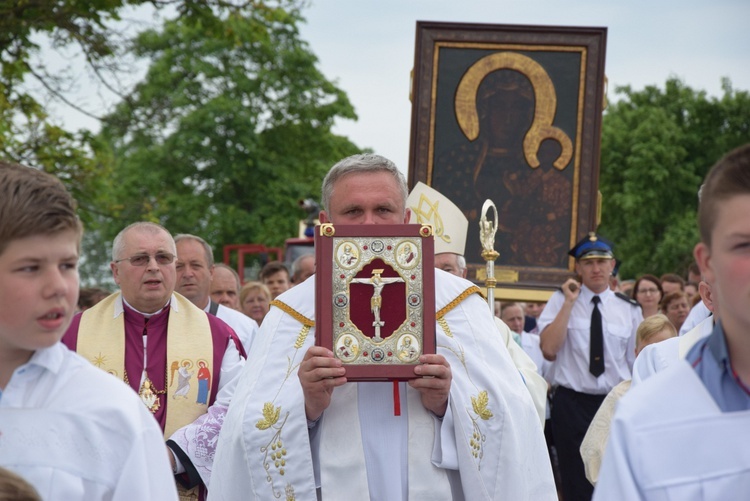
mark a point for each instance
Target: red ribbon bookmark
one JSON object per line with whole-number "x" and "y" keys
{"x": 396, "y": 399}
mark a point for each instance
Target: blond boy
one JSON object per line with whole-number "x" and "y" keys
{"x": 69, "y": 429}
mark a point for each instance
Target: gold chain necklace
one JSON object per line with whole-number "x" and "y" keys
{"x": 148, "y": 392}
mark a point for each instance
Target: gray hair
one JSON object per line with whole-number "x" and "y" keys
{"x": 461, "y": 262}
{"x": 297, "y": 264}
{"x": 206, "y": 248}
{"x": 363, "y": 162}
{"x": 505, "y": 305}
{"x": 234, "y": 272}
{"x": 146, "y": 226}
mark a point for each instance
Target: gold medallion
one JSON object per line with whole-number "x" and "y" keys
{"x": 148, "y": 396}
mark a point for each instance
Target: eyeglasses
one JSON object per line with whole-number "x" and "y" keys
{"x": 161, "y": 258}
{"x": 648, "y": 291}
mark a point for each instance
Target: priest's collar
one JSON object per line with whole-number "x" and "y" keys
{"x": 119, "y": 307}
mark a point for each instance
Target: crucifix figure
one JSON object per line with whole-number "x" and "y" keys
{"x": 376, "y": 302}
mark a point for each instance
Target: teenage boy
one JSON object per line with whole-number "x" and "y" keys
{"x": 684, "y": 434}
{"x": 68, "y": 428}
{"x": 275, "y": 276}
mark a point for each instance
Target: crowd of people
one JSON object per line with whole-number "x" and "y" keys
{"x": 658, "y": 324}
{"x": 187, "y": 384}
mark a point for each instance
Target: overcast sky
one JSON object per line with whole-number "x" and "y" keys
{"x": 367, "y": 47}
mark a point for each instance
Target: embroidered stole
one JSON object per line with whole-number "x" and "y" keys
{"x": 101, "y": 340}
{"x": 341, "y": 455}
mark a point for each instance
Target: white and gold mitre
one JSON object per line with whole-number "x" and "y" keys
{"x": 449, "y": 223}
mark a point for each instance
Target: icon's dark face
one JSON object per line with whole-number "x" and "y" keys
{"x": 505, "y": 105}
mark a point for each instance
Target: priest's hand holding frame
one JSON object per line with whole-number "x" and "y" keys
{"x": 435, "y": 383}
{"x": 319, "y": 373}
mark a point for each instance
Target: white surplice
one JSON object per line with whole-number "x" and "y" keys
{"x": 697, "y": 314}
{"x": 77, "y": 433}
{"x": 658, "y": 356}
{"x": 489, "y": 445}
{"x": 527, "y": 366}
{"x": 671, "y": 442}
{"x": 595, "y": 441}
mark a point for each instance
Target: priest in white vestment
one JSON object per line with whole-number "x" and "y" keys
{"x": 297, "y": 429}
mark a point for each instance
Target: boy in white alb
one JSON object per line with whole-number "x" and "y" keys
{"x": 68, "y": 428}
{"x": 683, "y": 433}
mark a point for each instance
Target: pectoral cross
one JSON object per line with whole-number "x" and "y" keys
{"x": 376, "y": 302}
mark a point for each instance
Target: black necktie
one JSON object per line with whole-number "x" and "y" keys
{"x": 596, "y": 349}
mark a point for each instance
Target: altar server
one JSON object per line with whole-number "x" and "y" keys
{"x": 69, "y": 429}
{"x": 683, "y": 433}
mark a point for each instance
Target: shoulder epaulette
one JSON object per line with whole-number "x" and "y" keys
{"x": 627, "y": 298}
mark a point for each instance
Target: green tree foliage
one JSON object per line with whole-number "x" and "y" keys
{"x": 27, "y": 135}
{"x": 657, "y": 146}
{"x": 231, "y": 126}
{"x": 229, "y": 129}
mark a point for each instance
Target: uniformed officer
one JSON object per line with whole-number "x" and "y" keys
{"x": 588, "y": 332}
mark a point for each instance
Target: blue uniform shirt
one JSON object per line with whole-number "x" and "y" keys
{"x": 710, "y": 359}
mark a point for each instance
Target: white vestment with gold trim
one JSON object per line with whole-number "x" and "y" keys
{"x": 532, "y": 375}
{"x": 489, "y": 445}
